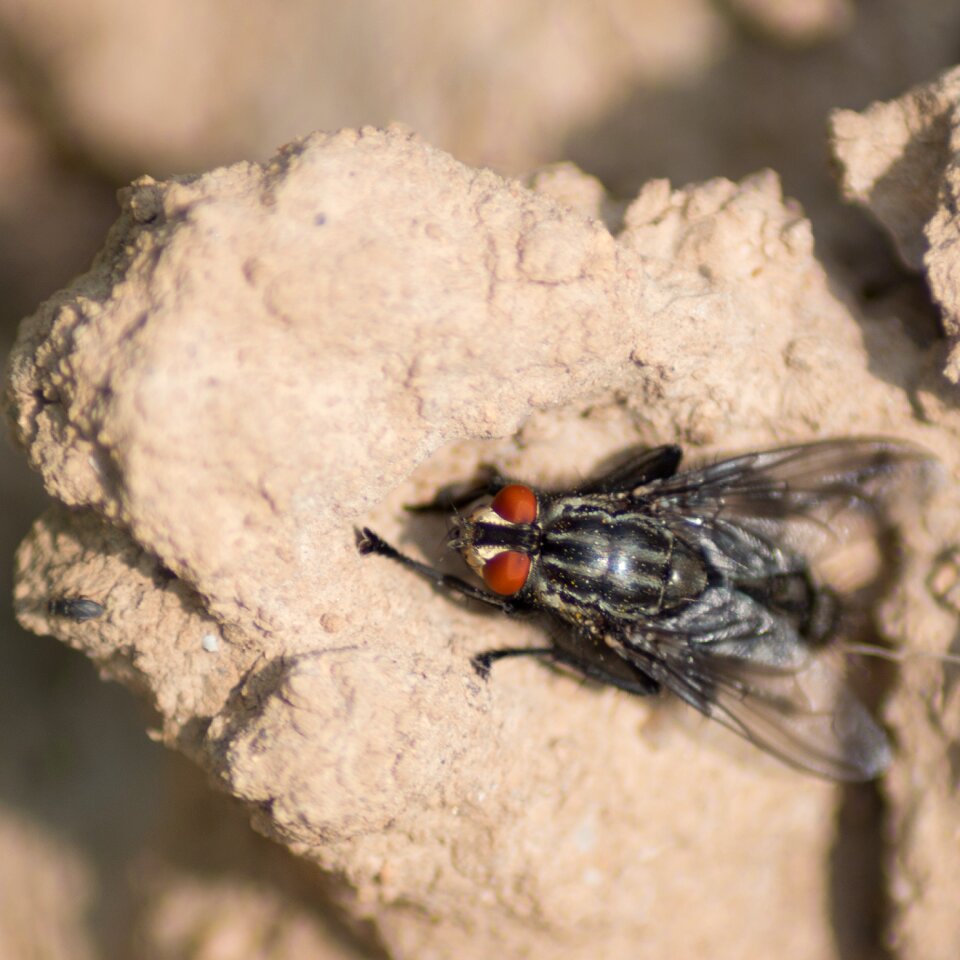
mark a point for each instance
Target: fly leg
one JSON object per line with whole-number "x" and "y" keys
{"x": 370, "y": 542}
{"x": 452, "y": 498}
{"x": 482, "y": 661}
{"x": 657, "y": 463}
{"x": 623, "y": 675}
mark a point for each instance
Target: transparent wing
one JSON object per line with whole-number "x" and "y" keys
{"x": 805, "y": 713}
{"x": 793, "y": 479}
{"x": 810, "y": 499}
{"x": 808, "y": 718}
{"x": 746, "y": 652}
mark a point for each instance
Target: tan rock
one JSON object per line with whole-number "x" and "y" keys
{"x": 263, "y": 357}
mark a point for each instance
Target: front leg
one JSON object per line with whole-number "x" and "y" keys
{"x": 370, "y": 542}
{"x": 482, "y": 661}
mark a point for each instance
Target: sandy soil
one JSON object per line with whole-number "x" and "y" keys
{"x": 265, "y": 354}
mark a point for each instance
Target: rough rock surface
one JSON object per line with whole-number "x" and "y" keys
{"x": 899, "y": 160}
{"x": 264, "y": 356}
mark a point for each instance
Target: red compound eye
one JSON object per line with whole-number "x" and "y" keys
{"x": 516, "y": 503}
{"x": 506, "y": 573}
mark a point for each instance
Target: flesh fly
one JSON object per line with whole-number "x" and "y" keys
{"x": 704, "y": 583}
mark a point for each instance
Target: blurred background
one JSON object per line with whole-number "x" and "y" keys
{"x": 109, "y": 846}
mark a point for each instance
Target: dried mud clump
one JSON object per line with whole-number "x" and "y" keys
{"x": 900, "y": 161}
{"x": 264, "y": 356}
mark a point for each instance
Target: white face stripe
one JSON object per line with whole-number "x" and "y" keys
{"x": 475, "y": 556}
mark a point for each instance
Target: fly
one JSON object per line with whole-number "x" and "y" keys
{"x": 703, "y": 583}
{"x": 77, "y": 609}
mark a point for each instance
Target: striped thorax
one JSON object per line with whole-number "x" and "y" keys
{"x": 586, "y": 558}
